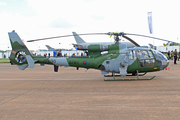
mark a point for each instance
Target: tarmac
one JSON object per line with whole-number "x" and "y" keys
{"x": 70, "y": 94}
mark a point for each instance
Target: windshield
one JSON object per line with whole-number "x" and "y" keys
{"x": 161, "y": 59}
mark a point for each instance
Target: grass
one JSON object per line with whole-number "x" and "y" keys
{"x": 4, "y": 60}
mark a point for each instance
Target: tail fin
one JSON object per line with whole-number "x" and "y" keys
{"x": 20, "y": 55}
{"x": 49, "y": 47}
{"x": 152, "y": 46}
{"x": 77, "y": 38}
{"x": 167, "y": 44}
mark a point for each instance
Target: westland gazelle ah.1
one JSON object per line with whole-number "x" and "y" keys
{"x": 118, "y": 59}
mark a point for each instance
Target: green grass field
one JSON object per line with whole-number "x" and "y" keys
{"x": 4, "y": 60}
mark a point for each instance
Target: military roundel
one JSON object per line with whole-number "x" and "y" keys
{"x": 84, "y": 62}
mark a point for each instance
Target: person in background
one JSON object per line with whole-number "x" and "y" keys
{"x": 169, "y": 55}
{"x": 65, "y": 55}
{"x": 175, "y": 56}
{"x": 45, "y": 55}
{"x": 172, "y": 55}
{"x": 59, "y": 54}
{"x": 73, "y": 55}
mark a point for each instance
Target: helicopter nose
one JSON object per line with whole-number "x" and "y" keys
{"x": 161, "y": 59}
{"x": 163, "y": 63}
{"x": 166, "y": 64}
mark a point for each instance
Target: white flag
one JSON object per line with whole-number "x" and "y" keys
{"x": 150, "y": 22}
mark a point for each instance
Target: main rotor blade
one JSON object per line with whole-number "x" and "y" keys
{"x": 148, "y": 37}
{"x": 66, "y": 36}
{"x": 131, "y": 40}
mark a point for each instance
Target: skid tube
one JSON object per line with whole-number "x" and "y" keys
{"x": 126, "y": 75}
{"x": 129, "y": 79}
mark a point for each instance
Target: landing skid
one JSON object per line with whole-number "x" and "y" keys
{"x": 111, "y": 75}
{"x": 126, "y": 75}
{"x": 133, "y": 79}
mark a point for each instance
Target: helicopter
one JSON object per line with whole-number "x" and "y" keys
{"x": 119, "y": 59}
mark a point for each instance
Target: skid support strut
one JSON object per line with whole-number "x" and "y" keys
{"x": 129, "y": 79}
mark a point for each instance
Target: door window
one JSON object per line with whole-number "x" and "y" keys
{"x": 146, "y": 58}
{"x": 150, "y": 63}
{"x": 144, "y": 54}
{"x": 132, "y": 55}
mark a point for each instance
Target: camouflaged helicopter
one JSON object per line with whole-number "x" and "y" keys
{"x": 118, "y": 59}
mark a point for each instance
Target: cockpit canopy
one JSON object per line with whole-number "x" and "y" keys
{"x": 147, "y": 54}
{"x": 161, "y": 59}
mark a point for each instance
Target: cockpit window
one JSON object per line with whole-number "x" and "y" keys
{"x": 159, "y": 56}
{"x": 144, "y": 54}
{"x": 161, "y": 59}
{"x": 132, "y": 55}
{"x": 150, "y": 62}
{"x": 150, "y": 55}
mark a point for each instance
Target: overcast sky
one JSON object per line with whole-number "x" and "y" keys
{"x": 33, "y": 19}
